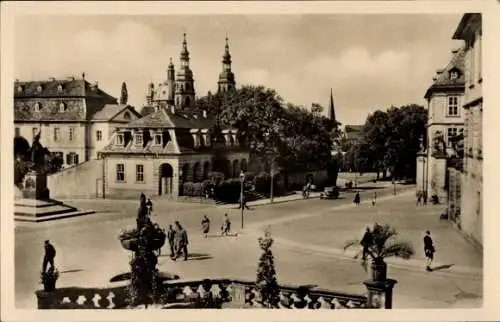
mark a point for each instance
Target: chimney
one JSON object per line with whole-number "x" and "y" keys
{"x": 71, "y": 78}
{"x": 454, "y": 51}
{"x": 52, "y": 79}
{"x": 439, "y": 71}
{"x": 434, "y": 78}
{"x": 96, "y": 84}
{"x": 204, "y": 114}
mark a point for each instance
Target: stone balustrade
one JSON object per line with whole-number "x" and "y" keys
{"x": 198, "y": 293}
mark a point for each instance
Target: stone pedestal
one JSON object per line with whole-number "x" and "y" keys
{"x": 380, "y": 293}
{"x": 35, "y": 186}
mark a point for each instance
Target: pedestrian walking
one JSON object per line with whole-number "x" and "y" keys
{"x": 429, "y": 250}
{"x": 48, "y": 258}
{"x": 226, "y": 226}
{"x": 171, "y": 240}
{"x": 243, "y": 203}
{"x": 374, "y": 199}
{"x": 366, "y": 242}
{"x": 181, "y": 239}
{"x": 419, "y": 198}
{"x": 205, "y": 226}
{"x": 149, "y": 206}
{"x": 357, "y": 199}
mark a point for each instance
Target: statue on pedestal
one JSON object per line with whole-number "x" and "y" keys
{"x": 35, "y": 180}
{"x": 439, "y": 145}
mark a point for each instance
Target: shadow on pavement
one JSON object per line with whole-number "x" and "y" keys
{"x": 438, "y": 268}
{"x": 71, "y": 271}
{"x": 198, "y": 256}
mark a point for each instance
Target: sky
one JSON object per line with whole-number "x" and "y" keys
{"x": 370, "y": 61}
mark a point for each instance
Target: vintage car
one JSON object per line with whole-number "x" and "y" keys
{"x": 330, "y": 193}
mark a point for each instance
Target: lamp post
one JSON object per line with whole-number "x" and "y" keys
{"x": 242, "y": 180}
{"x": 272, "y": 182}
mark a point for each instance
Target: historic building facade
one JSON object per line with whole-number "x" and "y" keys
{"x": 72, "y": 116}
{"x": 445, "y": 121}
{"x": 471, "y": 218}
{"x": 174, "y": 142}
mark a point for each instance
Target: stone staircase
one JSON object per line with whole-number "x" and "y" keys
{"x": 33, "y": 210}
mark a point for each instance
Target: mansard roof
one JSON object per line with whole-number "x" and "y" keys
{"x": 443, "y": 81}
{"x": 110, "y": 111}
{"x": 164, "y": 117}
{"x": 57, "y": 88}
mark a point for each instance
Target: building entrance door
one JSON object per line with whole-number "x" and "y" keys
{"x": 166, "y": 175}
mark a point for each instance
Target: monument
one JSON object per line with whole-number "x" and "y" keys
{"x": 36, "y": 205}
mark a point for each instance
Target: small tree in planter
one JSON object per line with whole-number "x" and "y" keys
{"x": 267, "y": 284}
{"x": 384, "y": 245}
{"x": 48, "y": 279}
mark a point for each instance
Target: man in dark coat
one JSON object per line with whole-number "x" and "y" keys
{"x": 366, "y": 242}
{"x": 171, "y": 240}
{"x": 181, "y": 241}
{"x": 48, "y": 258}
{"x": 429, "y": 250}
{"x": 357, "y": 199}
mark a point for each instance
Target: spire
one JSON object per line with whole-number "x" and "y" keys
{"x": 331, "y": 108}
{"x": 171, "y": 64}
{"x": 184, "y": 51}
{"x": 226, "y": 58}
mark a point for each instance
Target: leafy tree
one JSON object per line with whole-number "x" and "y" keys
{"x": 124, "y": 94}
{"x": 266, "y": 283}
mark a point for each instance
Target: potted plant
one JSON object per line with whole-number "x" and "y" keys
{"x": 49, "y": 278}
{"x": 384, "y": 244}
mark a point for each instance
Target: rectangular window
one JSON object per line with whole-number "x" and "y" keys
{"x": 453, "y": 106}
{"x": 120, "y": 140}
{"x": 35, "y": 131}
{"x": 139, "y": 173}
{"x": 452, "y": 131}
{"x": 138, "y": 139}
{"x": 71, "y": 133}
{"x": 99, "y": 135}
{"x": 17, "y": 132}
{"x": 120, "y": 172}
{"x": 72, "y": 158}
{"x": 158, "y": 139}
{"x": 56, "y": 134}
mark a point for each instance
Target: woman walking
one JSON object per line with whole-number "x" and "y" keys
{"x": 205, "y": 225}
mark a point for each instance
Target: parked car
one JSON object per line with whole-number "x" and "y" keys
{"x": 330, "y": 193}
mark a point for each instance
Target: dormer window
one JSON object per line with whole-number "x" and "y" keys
{"x": 120, "y": 140}
{"x": 138, "y": 140}
{"x": 454, "y": 75}
{"x": 126, "y": 115}
{"x": 39, "y": 89}
{"x": 37, "y": 107}
{"x": 157, "y": 139}
{"x": 59, "y": 88}
{"x": 62, "y": 107}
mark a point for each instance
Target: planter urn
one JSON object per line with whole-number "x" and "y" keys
{"x": 379, "y": 271}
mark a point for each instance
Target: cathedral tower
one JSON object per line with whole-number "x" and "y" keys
{"x": 150, "y": 94}
{"x": 184, "y": 84}
{"x": 226, "y": 77}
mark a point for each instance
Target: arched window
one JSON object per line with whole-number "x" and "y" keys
{"x": 126, "y": 115}
{"x": 62, "y": 107}
{"x": 186, "y": 101}
{"x": 37, "y": 107}
{"x": 59, "y": 88}
{"x": 39, "y": 88}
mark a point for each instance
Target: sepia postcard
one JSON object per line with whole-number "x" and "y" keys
{"x": 254, "y": 160}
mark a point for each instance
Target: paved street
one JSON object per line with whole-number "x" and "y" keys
{"x": 308, "y": 236}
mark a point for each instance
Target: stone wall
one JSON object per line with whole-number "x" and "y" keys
{"x": 80, "y": 181}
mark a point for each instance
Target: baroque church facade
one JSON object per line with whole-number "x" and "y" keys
{"x": 174, "y": 142}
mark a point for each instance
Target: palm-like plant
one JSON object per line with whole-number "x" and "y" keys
{"x": 384, "y": 245}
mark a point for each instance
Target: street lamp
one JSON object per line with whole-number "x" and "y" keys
{"x": 242, "y": 180}
{"x": 272, "y": 182}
